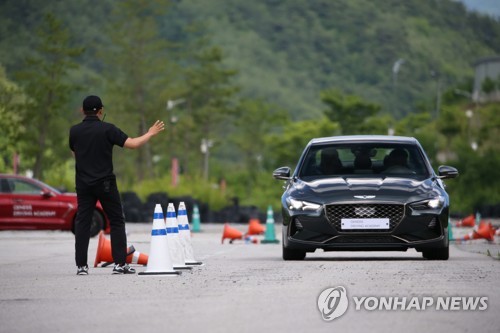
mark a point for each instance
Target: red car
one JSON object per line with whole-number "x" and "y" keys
{"x": 27, "y": 203}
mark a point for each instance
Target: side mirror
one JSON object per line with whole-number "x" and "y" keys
{"x": 46, "y": 193}
{"x": 282, "y": 173}
{"x": 447, "y": 172}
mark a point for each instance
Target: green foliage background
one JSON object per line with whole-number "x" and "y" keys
{"x": 258, "y": 79}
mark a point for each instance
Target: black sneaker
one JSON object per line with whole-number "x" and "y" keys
{"x": 82, "y": 270}
{"x": 123, "y": 269}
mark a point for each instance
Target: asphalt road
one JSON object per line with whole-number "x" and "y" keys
{"x": 241, "y": 288}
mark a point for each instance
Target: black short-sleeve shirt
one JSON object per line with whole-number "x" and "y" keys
{"x": 92, "y": 142}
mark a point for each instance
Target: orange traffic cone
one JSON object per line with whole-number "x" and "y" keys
{"x": 104, "y": 253}
{"x": 231, "y": 234}
{"x": 255, "y": 228}
{"x": 103, "y": 250}
{"x": 468, "y": 221}
{"x": 485, "y": 231}
{"x": 137, "y": 257}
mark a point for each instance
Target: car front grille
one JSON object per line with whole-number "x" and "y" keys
{"x": 335, "y": 213}
{"x": 349, "y": 239}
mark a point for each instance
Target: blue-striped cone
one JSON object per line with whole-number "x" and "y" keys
{"x": 270, "y": 235}
{"x": 196, "y": 219}
{"x": 174, "y": 242}
{"x": 159, "y": 262}
{"x": 185, "y": 235}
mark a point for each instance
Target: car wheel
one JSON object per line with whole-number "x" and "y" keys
{"x": 293, "y": 254}
{"x": 97, "y": 223}
{"x": 441, "y": 253}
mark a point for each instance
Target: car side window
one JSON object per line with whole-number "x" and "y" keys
{"x": 22, "y": 187}
{"x": 5, "y": 186}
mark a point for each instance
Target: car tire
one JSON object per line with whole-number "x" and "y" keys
{"x": 293, "y": 254}
{"x": 97, "y": 223}
{"x": 441, "y": 253}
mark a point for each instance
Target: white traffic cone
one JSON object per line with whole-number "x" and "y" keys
{"x": 185, "y": 235}
{"x": 174, "y": 241}
{"x": 159, "y": 262}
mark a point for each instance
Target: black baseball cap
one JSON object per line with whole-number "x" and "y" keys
{"x": 92, "y": 103}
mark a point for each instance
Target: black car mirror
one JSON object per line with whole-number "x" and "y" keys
{"x": 46, "y": 193}
{"x": 282, "y": 173}
{"x": 447, "y": 172}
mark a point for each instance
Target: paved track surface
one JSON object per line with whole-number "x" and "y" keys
{"x": 241, "y": 288}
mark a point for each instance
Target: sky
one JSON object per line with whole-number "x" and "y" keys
{"x": 490, "y": 7}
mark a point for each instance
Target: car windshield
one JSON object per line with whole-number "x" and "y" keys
{"x": 47, "y": 186}
{"x": 363, "y": 160}
{"x": 23, "y": 186}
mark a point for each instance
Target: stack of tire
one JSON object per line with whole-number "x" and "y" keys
{"x": 489, "y": 211}
{"x": 132, "y": 207}
{"x": 238, "y": 214}
{"x": 190, "y": 202}
{"x": 151, "y": 201}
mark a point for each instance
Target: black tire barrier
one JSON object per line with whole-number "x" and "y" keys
{"x": 137, "y": 211}
{"x": 132, "y": 207}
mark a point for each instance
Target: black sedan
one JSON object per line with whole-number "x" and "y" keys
{"x": 365, "y": 193}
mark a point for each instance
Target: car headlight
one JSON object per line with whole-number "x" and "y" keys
{"x": 294, "y": 204}
{"x": 428, "y": 206}
{"x": 436, "y": 202}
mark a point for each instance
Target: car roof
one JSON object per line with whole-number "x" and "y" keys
{"x": 29, "y": 179}
{"x": 6, "y": 175}
{"x": 363, "y": 139}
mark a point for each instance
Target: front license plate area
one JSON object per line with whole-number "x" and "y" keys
{"x": 364, "y": 224}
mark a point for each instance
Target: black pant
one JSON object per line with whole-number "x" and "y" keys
{"x": 107, "y": 193}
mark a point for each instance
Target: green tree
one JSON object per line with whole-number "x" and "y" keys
{"x": 254, "y": 121}
{"x": 380, "y": 125}
{"x": 479, "y": 179}
{"x": 448, "y": 124}
{"x": 351, "y": 112}
{"x": 209, "y": 95}
{"x": 420, "y": 126}
{"x": 488, "y": 85}
{"x": 12, "y": 114}
{"x": 286, "y": 147}
{"x": 485, "y": 124}
{"x": 45, "y": 81}
{"x": 139, "y": 68}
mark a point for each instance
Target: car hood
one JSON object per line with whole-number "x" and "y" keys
{"x": 390, "y": 189}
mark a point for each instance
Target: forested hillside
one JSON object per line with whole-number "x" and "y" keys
{"x": 290, "y": 50}
{"x": 253, "y": 82}
{"x": 286, "y": 52}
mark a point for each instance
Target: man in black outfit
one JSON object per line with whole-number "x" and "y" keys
{"x": 92, "y": 143}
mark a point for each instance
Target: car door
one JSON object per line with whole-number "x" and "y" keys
{"x": 6, "y": 216}
{"x": 34, "y": 207}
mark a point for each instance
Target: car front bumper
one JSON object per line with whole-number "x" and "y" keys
{"x": 313, "y": 231}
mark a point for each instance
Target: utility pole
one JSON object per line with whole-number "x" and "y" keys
{"x": 395, "y": 70}
{"x": 205, "y": 150}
